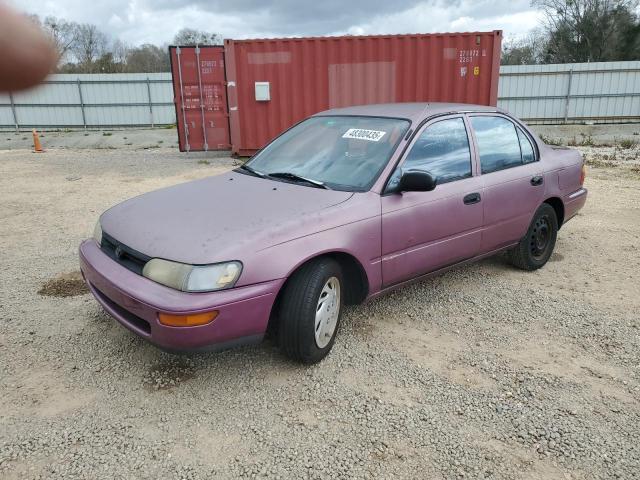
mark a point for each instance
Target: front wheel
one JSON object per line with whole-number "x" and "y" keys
{"x": 310, "y": 310}
{"x": 537, "y": 245}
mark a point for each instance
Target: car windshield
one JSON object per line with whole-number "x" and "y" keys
{"x": 342, "y": 153}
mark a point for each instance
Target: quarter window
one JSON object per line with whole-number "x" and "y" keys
{"x": 442, "y": 149}
{"x": 528, "y": 155}
{"x": 498, "y": 143}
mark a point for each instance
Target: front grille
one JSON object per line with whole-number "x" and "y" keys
{"x": 134, "y": 320}
{"x": 125, "y": 256}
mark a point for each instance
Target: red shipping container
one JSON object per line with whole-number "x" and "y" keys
{"x": 274, "y": 83}
{"x": 200, "y": 97}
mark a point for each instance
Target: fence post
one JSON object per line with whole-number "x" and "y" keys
{"x": 149, "y": 98}
{"x": 13, "y": 110}
{"x": 568, "y": 96}
{"x": 84, "y": 118}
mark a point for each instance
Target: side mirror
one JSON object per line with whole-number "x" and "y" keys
{"x": 416, "y": 181}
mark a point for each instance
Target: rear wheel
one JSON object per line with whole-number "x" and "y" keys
{"x": 537, "y": 245}
{"x": 310, "y": 310}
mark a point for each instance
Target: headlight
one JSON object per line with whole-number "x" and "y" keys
{"x": 97, "y": 233}
{"x": 192, "y": 278}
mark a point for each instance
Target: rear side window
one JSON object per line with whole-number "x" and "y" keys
{"x": 528, "y": 154}
{"x": 498, "y": 143}
{"x": 442, "y": 149}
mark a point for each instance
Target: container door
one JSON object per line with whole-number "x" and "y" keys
{"x": 200, "y": 97}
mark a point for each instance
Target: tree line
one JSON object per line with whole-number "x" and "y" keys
{"x": 84, "y": 48}
{"x": 579, "y": 31}
{"x": 571, "y": 31}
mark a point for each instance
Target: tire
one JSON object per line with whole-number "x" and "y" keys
{"x": 537, "y": 245}
{"x": 310, "y": 311}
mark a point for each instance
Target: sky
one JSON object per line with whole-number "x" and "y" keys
{"x": 147, "y": 21}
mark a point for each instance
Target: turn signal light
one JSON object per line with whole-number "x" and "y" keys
{"x": 583, "y": 174}
{"x": 187, "y": 320}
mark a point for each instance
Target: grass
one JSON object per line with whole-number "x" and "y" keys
{"x": 204, "y": 162}
{"x": 106, "y": 134}
{"x": 601, "y": 162}
{"x": 551, "y": 141}
{"x": 628, "y": 143}
{"x": 585, "y": 141}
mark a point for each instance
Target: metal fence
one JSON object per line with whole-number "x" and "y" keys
{"x": 601, "y": 92}
{"x": 565, "y": 93}
{"x": 91, "y": 100}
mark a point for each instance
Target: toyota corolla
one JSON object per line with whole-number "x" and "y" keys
{"x": 344, "y": 206}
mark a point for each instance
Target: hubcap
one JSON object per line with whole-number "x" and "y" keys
{"x": 327, "y": 312}
{"x": 540, "y": 237}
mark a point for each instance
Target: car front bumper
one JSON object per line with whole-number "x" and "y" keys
{"x": 135, "y": 302}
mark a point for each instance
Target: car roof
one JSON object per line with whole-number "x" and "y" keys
{"x": 413, "y": 111}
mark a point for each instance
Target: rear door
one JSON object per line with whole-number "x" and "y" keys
{"x": 512, "y": 176}
{"x": 200, "y": 97}
{"x": 425, "y": 231}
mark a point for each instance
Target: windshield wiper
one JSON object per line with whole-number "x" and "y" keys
{"x": 252, "y": 171}
{"x": 293, "y": 176}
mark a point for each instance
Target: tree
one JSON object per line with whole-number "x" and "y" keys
{"x": 524, "y": 51}
{"x": 589, "y": 30}
{"x": 63, "y": 34}
{"x": 147, "y": 59}
{"x": 90, "y": 45}
{"x": 191, "y": 37}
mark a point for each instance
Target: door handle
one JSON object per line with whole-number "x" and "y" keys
{"x": 537, "y": 180}
{"x": 471, "y": 198}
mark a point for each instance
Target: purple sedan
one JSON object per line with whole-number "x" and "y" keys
{"x": 341, "y": 208}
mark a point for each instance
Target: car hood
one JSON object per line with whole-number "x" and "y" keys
{"x": 218, "y": 218}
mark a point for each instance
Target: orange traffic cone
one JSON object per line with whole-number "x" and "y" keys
{"x": 37, "y": 148}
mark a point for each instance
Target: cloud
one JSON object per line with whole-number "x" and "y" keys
{"x": 146, "y": 21}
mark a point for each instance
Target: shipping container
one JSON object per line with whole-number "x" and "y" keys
{"x": 274, "y": 83}
{"x": 200, "y": 98}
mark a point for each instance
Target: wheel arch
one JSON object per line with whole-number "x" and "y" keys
{"x": 355, "y": 277}
{"x": 558, "y": 206}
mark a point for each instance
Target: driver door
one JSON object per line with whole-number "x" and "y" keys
{"x": 426, "y": 231}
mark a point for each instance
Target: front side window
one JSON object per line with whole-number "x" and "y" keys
{"x": 344, "y": 153}
{"x": 442, "y": 149}
{"x": 498, "y": 143}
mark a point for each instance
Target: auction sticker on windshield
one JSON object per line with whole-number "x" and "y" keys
{"x": 362, "y": 134}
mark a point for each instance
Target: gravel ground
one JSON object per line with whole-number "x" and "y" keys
{"x": 484, "y": 372}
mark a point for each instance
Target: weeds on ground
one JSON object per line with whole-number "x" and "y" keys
{"x": 585, "y": 141}
{"x": 204, "y": 162}
{"x": 601, "y": 161}
{"x": 106, "y": 134}
{"x": 628, "y": 143}
{"x": 551, "y": 141}
{"x": 169, "y": 127}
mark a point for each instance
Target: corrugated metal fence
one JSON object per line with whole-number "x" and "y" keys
{"x": 565, "y": 93}
{"x": 92, "y": 100}
{"x": 572, "y": 93}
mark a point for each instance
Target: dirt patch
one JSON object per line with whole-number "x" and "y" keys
{"x": 168, "y": 375}
{"x": 68, "y": 284}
